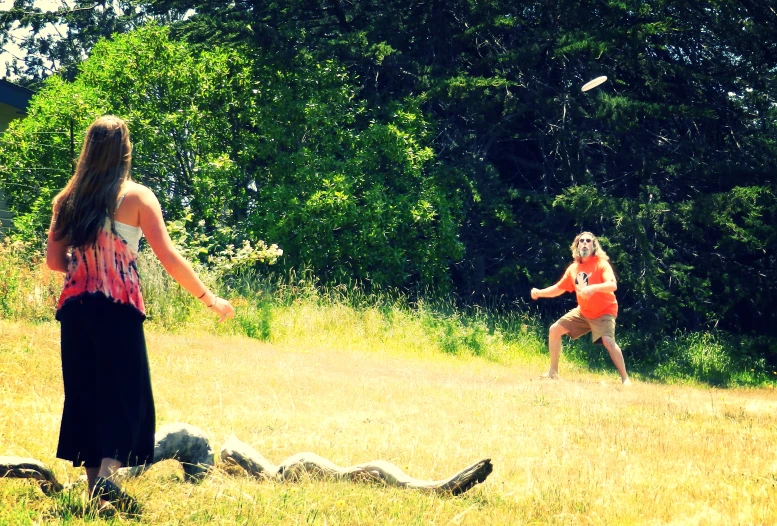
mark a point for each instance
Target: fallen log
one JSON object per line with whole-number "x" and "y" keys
{"x": 190, "y": 446}
{"x": 312, "y": 465}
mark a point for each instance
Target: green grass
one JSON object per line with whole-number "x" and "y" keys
{"x": 294, "y": 309}
{"x": 583, "y": 450}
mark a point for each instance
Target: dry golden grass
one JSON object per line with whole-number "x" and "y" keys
{"x": 581, "y": 451}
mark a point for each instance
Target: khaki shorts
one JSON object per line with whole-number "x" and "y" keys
{"x": 578, "y": 325}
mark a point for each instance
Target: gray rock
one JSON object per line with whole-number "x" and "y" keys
{"x": 185, "y": 443}
{"x": 29, "y": 468}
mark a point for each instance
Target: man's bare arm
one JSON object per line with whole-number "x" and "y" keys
{"x": 550, "y": 292}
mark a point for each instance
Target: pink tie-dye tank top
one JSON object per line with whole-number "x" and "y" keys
{"x": 106, "y": 269}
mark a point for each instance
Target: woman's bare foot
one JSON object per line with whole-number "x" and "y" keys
{"x": 550, "y": 376}
{"x": 625, "y": 381}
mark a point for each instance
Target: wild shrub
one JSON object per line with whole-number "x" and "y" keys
{"x": 28, "y": 289}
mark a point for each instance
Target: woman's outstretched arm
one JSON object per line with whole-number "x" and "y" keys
{"x": 153, "y": 226}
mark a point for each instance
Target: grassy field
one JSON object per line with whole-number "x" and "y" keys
{"x": 581, "y": 451}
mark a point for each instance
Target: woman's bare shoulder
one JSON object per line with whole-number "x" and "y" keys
{"x": 137, "y": 190}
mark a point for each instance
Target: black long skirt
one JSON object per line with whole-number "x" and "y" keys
{"x": 109, "y": 405}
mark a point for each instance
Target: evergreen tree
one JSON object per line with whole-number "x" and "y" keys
{"x": 671, "y": 161}
{"x": 57, "y": 41}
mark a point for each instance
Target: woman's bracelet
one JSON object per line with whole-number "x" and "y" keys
{"x": 202, "y": 295}
{"x": 214, "y": 302}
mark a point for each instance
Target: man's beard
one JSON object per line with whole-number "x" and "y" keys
{"x": 585, "y": 252}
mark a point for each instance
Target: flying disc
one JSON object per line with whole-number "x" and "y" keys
{"x": 593, "y": 83}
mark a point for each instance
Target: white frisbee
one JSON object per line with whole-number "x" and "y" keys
{"x": 593, "y": 83}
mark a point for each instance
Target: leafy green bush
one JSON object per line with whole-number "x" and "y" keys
{"x": 28, "y": 289}
{"x": 242, "y": 148}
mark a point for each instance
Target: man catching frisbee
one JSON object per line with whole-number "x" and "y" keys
{"x": 591, "y": 277}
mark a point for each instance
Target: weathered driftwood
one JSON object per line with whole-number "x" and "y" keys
{"x": 29, "y": 468}
{"x": 183, "y": 442}
{"x": 190, "y": 446}
{"x": 310, "y": 464}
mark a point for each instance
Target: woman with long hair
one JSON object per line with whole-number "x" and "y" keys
{"x": 108, "y": 419}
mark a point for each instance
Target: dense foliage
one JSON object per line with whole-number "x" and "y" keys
{"x": 419, "y": 144}
{"x": 278, "y": 159}
{"x": 57, "y": 41}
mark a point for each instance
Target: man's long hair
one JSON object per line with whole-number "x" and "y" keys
{"x": 596, "y": 249}
{"x": 91, "y": 194}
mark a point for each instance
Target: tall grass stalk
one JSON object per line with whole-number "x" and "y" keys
{"x": 294, "y": 309}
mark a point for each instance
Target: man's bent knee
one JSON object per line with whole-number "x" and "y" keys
{"x": 609, "y": 341}
{"x": 557, "y": 330}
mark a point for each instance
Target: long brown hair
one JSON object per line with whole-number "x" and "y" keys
{"x": 596, "y": 248}
{"x": 91, "y": 194}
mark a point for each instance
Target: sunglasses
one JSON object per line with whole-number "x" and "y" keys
{"x": 586, "y": 240}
